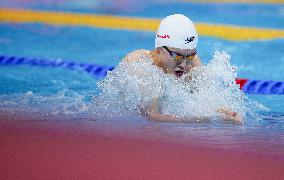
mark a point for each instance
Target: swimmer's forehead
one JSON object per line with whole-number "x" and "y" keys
{"x": 182, "y": 51}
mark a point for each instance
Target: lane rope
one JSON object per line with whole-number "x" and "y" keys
{"x": 228, "y": 32}
{"x": 100, "y": 71}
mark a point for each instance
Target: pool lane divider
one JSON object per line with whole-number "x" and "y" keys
{"x": 227, "y": 32}
{"x": 100, "y": 71}
{"x": 97, "y": 71}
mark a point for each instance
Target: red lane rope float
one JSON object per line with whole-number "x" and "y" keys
{"x": 100, "y": 71}
{"x": 241, "y": 82}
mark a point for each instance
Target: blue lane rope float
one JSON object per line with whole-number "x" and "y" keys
{"x": 263, "y": 87}
{"x": 100, "y": 71}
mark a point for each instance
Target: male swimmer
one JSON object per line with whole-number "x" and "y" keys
{"x": 176, "y": 54}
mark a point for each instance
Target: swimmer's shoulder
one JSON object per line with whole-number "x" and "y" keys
{"x": 137, "y": 55}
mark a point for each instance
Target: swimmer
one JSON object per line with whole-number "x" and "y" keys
{"x": 176, "y": 54}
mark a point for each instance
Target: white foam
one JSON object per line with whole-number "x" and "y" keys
{"x": 65, "y": 102}
{"x": 132, "y": 85}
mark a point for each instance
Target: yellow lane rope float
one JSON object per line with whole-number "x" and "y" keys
{"x": 228, "y": 32}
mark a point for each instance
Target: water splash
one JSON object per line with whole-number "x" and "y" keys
{"x": 128, "y": 88}
{"x": 66, "y": 103}
{"x": 133, "y": 85}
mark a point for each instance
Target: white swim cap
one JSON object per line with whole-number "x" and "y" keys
{"x": 176, "y": 31}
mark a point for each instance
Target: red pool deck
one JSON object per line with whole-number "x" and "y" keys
{"x": 50, "y": 149}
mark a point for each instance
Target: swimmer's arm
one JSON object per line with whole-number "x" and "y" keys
{"x": 157, "y": 117}
{"x": 153, "y": 114}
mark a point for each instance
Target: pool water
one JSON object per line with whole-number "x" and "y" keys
{"x": 51, "y": 92}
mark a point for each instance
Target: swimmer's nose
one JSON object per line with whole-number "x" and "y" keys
{"x": 182, "y": 64}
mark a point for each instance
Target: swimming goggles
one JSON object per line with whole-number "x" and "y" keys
{"x": 176, "y": 56}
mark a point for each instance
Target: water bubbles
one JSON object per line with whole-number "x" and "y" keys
{"x": 132, "y": 86}
{"x": 128, "y": 88}
{"x": 129, "y": 91}
{"x": 64, "y": 103}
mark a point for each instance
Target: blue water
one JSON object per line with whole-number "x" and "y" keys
{"x": 67, "y": 92}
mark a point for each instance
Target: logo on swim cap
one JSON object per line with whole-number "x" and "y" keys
{"x": 176, "y": 31}
{"x": 188, "y": 40}
{"x": 163, "y": 36}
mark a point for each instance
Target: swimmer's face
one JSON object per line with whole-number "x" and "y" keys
{"x": 177, "y": 61}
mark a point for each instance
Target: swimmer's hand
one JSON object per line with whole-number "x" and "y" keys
{"x": 229, "y": 115}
